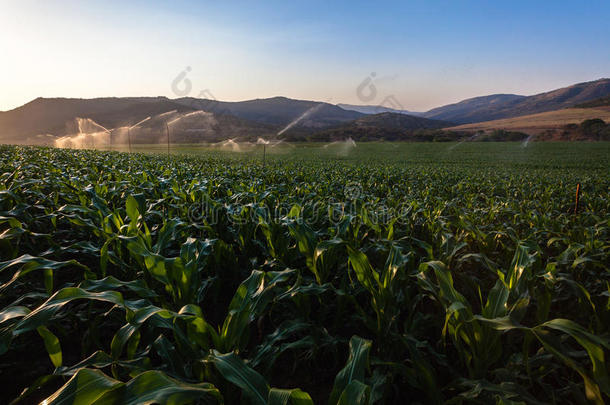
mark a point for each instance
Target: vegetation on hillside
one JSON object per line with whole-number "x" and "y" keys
{"x": 594, "y": 129}
{"x": 600, "y": 102}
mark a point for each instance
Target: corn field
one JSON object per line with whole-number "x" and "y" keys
{"x": 137, "y": 279}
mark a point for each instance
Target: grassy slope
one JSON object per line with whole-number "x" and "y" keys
{"x": 536, "y": 123}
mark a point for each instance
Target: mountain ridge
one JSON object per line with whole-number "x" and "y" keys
{"x": 294, "y": 119}
{"x": 376, "y": 109}
{"x": 498, "y": 106}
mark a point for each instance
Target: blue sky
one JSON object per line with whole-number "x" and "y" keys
{"x": 424, "y": 53}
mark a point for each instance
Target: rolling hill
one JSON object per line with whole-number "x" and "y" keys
{"x": 43, "y": 120}
{"x": 252, "y": 118}
{"x": 535, "y": 124}
{"x": 375, "y": 109}
{"x": 384, "y": 126}
{"x": 499, "y": 106}
{"x": 55, "y": 115}
{"x": 279, "y": 111}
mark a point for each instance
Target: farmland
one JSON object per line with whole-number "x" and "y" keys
{"x": 380, "y": 273}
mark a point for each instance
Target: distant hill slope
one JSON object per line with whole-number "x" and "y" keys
{"x": 536, "y": 124}
{"x": 57, "y": 116}
{"x": 600, "y": 102}
{"x": 254, "y": 117}
{"x": 44, "y": 119}
{"x": 474, "y": 109}
{"x": 375, "y": 109}
{"x": 384, "y": 126}
{"x": 53, "y": 115}
{"x": 280, "y": 111}
{"x": 509, "y": 105}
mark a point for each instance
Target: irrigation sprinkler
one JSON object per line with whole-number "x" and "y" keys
{"x": 167, "y": 124}
{"x": 111, "y": 133}
{"x": 167, "y": 127}
{"x": 264, "y": 154}
{"x": 133, "y": 126}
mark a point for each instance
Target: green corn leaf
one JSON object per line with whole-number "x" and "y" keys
{"x": 356, "y": 393}
{"x": 355, "y": 368}
{"x": 233, "y": 369}
{"x": 28, "y": 263}
{"x": 127, "y": 331}
{"x": 51, "y": 343}
{"x": 131, "y": 207}
{"x": 84, "y": 388}
{"x": 594, "y": 345}
{"x": 9, "y": 313}
{"x": 92, "y": 387}
{"x": 288, "y": 397}
{"x": 365, "y": 273}
{"x": 497, "y": 300}
{"x": 45, "y": 312}
{"x": 154, "y": 387}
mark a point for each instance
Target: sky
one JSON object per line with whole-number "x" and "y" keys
{"x": 413, "y": 55}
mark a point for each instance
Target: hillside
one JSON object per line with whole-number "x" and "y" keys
{"x": 473, "y": 109}
{"x": 535, "y": 124}
{"x": 600, "y": 102}
{"x": 250, "y": 119}
{"x": 279, "y": 111}
{"x": 55, "y": 115}
{"x": 375, "y": 109}
{"x": 385, "y": 126}
{"x": 43, "y": 120}
{"x": 509, "y": 105}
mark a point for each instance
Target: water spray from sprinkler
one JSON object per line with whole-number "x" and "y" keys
{"x": 472, "y": 138}
{"x": 134, "y": 126}
{"x": 264, "y": 142}
{"x": 301, "y": 117}
{"x": 167, "y": 124}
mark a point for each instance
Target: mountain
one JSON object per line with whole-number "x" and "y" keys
{"x": 499, "y": 106}
{"x": 203, "y": 120}
{"x": 43, "y": 120}
{"x": 384, "y": 126}
{"x": 473, "y": 109}
{"x": 252, "y": 118}
{"x": 56, "y": 115}
{"x": 375, "y": 109}
{"x": 280, "y": 111}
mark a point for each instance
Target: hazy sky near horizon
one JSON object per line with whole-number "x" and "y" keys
{"x": 424, "y": 53}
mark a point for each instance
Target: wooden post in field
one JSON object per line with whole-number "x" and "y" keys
{"x": 577, "y": 198}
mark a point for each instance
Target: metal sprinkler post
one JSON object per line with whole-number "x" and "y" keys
{"x": 167, "y": 127}
{"x": 129, "y": 138}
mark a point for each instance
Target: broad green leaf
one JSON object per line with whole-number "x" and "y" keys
{"x": 51, "y": 343}
{"x": 233, "y": 369}
{"x": 288, "y": 397}
{"x": 355, "y": 368}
